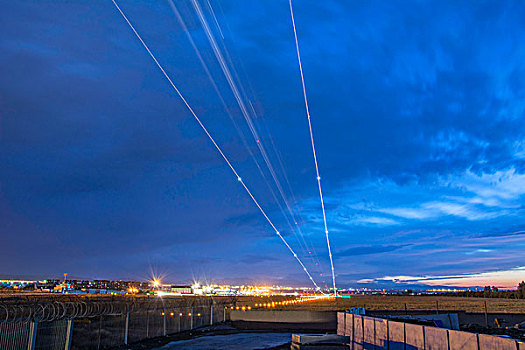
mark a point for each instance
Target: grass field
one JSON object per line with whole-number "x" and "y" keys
{"x": 370, "y": 302}
{"x": 393, "y": 302}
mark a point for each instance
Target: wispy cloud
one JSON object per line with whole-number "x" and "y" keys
{"x": 369, "y": 250}
{"x": 501, "y": 278}
{"x": 465, "y": 196}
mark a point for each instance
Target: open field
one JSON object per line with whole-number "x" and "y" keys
{"x": 394, "y": 302}
{"x": 370, "y": 302}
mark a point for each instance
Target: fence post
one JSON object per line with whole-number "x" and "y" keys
{"x": 224, "y": 315}
{"x": 486, "y": 314}
{"x": 32, "y": 334}
{"x": 164, "y": 322}
{"x": 99, "y": 331}
{"x": 191, "y": 318}
{"x": 126, "y": 331}
{"x": 211, "y": 313}
{"x": 69, "y": 334}
{"x": 147, "y": 323}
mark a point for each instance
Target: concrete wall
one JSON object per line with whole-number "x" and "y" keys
{"x": 369, "y": 332}
{"x": 283, "y": 316}
{"x": 462, "y": 340}
{"x": 414, "y": 336}
{"x": 396, "y": 335}
{"x": 463, "y": 317}
{"x": 349, "y": 326}
{"x": 358, "y": 332}
{"x": 341, "y": 323}
{"x": 436, "y": 338}
{"x": 381, "y": 330}
{"x": 489, "y": 342}
{"x": 375, "y": 333}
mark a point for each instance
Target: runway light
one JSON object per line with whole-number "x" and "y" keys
{"x": 249, "y": 307}
{"x": 189, "y": 314}
{"x": 162, "y": 314}
{"x": 180, "y": 314}
{"x": 172, "y": 314}
{"x": 198, "y": 315}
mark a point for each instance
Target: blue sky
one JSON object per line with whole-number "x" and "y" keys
{"x": 418, "y": 115}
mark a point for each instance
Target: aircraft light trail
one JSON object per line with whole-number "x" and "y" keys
{"x": 238, "y": 92}
{"x": 213, "y": 141}
{"x": 313, "y": 148}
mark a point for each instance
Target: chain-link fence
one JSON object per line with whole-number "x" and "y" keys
{"x": 100, "y": 323}
{"x": 14, "y": 335}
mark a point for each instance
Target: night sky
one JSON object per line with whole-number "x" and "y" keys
{"x": 418, "y": 113}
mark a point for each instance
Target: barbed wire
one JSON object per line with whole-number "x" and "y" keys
{"x": 51, "y": 308}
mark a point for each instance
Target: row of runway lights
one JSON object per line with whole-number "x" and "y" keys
{"x": 181, "y": 314}
{"x": 272, "y": 304}
{"x": 284, "y": 303}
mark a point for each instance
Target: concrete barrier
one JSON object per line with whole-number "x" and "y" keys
{"x": 341, "y": 323}
{"x": 449, "y": 320}
{"x": 381, "y": 329}
{"x": 396, "y": 335}
{"x": 365, "y": 332}
{"x": 414, "y": 337}
{"x": 358, "y": 338}
{"x": 283, "y": 316}
{"x": 462, "y": 340}
{"x": 436, "y": 338}
{"x": 490, "y": 342}
{"x": 349, "y": 327}
{"x": 369, "y": 332}
{"x": 319, "y": 339}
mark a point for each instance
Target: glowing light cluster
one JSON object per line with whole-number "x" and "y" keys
{"x": 299, "y": 300}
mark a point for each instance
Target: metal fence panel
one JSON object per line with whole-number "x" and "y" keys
{"x": 102, "y": 322}
{"x": 14, "y": 335}
{"x": 51, "y": 335}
